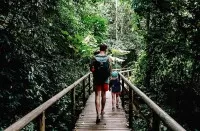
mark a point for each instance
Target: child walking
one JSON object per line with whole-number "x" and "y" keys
{"x": 114, "y": 86}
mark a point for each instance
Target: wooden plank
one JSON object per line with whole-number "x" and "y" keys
{"x": 111, "y": 120}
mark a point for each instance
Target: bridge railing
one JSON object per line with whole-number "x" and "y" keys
{"x": 39, "y": 112}
{"x": 158, "y": 114}
{"x": 121, "y": 69}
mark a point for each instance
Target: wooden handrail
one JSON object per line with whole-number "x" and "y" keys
{"x": 121, "y": 69}
{"x": 167, "y": 120}
{"x": 125, "y": 71}
{"x": 40, "y": 109}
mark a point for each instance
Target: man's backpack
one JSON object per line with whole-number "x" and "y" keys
{"x": 101, "y": 69}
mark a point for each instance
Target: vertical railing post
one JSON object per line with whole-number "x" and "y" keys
{"x": 84, "y": 99}
{"x": 130, "y": 107}
{"x": 42, "y": 121}
{"x": 156, "y": 122}
{"x": 73, "y": 102}
{"x": 123, "y": 92}
{"x": 89, "y": 80}
{"x": 119, "y": 78}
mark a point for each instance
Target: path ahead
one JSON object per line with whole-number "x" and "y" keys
{"x": 111, "y": 121}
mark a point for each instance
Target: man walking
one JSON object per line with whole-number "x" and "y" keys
{"x": 101, "y": 68}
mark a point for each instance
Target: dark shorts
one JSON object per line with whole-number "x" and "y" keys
{"x": 103, "y": 87}
{"x": 117, "y": 93}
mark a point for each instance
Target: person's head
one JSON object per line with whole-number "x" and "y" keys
{"x": 103, "y": 47}
{"x": 114, "y": 74}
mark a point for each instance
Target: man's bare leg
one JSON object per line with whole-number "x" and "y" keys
{"x": 97, "y": 104}
{"x": 103, "y": 101}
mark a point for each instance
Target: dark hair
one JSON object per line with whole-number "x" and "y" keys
{"x": 103, "y": 47}
{"x": 96, "y": 52}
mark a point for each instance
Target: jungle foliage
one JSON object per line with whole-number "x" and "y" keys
{"x": 44, "y": 44}
{"x": 168, "y": 67}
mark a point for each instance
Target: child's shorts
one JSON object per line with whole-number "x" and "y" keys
{"x": 117, "y": 93}
{"x": 103, "y": 87}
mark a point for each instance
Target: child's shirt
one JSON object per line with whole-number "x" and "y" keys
{"x": 114, "y": 85}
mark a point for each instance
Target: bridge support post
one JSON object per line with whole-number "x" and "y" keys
{"x": 119, "y": 78}
{"x": 130, "y": 107}
{"x": 89, "y": 84}
{"x": 128, "y": 75}
{"x": 123, "y": 93}
{"x": 42, "y": 121}
{"x": 73, "y": 102}
{"x": 84, "y": 99}
{"x": 156, "y": 122}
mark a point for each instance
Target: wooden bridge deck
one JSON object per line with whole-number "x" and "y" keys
{"x": 111, "y": 121}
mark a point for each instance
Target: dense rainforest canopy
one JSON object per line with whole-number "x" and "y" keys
{"x": 44, "y": 44}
